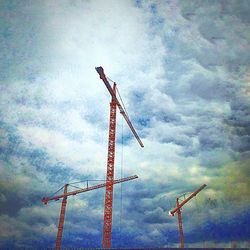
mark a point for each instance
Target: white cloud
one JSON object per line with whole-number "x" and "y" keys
{"x": 170, "y": 72}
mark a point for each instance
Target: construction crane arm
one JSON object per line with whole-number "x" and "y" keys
{"x": 100, "y": 71}
{"x": 173, "y": 211}
{"x": 45, "y": 200}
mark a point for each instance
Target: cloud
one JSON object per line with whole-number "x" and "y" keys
{"x": 182, "y": 69}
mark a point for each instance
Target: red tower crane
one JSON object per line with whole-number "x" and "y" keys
{"x": 178, "y": 210}
{"x": 107, "y": 224}
{"x": 65, "y": 194}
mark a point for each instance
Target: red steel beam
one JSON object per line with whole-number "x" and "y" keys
{"x": 108, "y": 206}
{"x": 61, "y": 220}
{"x": 45, "y": 200}
{"x": 172, "y": 212}
{"x": 180, "y": 224}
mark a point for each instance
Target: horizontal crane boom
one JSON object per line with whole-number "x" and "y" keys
{"x": 100, "y": 71}
{"x": 172, "y": 212}
{"x": 47, "y": 199}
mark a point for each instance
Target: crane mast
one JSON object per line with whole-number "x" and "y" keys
{"x": 65, "y": 194}
{"x": 61, "y": 220}
{"x": 107, "y": 224}
{"x": 180, "y": 223}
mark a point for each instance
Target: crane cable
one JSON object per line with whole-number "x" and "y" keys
{"x": 56, "y": 191}
{"x": 122, "y": 104}
{"x": 70, "y": 184}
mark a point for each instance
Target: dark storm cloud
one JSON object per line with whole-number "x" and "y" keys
{"x": 222, "y": 43}
{"x": 155, "y": 216}
{"x": 210, "y": 89}
{"x": 223, "y": 230}
{"x": 153, "y": 210}
{"x": 239, "y": 124}
{"x": 209, "y": 139}
{"x": 227, "y": 33}
{"x": 12, "y": 203}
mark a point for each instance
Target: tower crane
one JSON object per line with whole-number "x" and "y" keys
{"x": 107, "y": 224}
{"x": 178, "y": 210}
{"x": 64, "y": 196}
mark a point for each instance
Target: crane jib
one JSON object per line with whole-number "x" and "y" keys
{"x": 100, "y": 71}
{"x": 45, "y": 200}
{"x": 172, "y": 212}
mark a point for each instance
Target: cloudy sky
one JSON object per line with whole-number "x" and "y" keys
{"x": 183, "y": 70}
